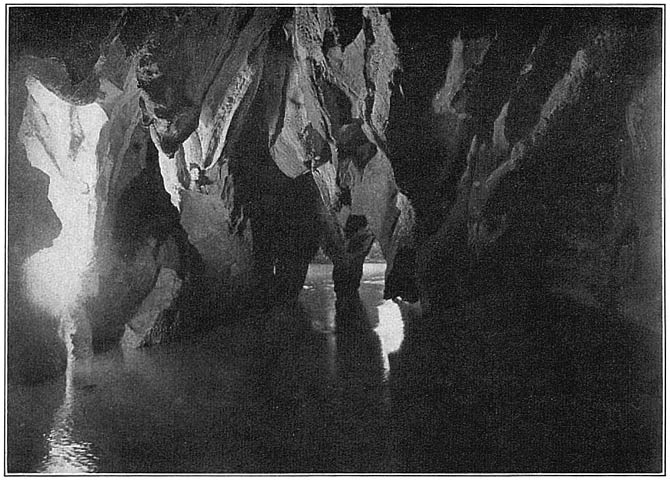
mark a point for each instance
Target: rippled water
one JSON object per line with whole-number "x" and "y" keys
{"x": 300, "y": 390}
{"x": 65, "y": 452}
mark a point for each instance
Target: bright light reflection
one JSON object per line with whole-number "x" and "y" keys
{"x": 390, "y": 330}
{"x": 66, "y": 454}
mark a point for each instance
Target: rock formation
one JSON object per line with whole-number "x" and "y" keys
{"x": 237, "y": 113}
{"x": 188, "y": 166}
{"x": 200, "y": 157}
{"x": 533, "y": 176}
{"x": 538, "y": 276}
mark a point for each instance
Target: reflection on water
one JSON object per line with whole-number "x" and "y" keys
{"x": 65, "y": 453}
{"x": 331, "y": 354}
{"x": 289, "y": 391}
{"x": 389, "y": 330}
{"x": 526, "y": 384}
{"x": 386, "y": 317}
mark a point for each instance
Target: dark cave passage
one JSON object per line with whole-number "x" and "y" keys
{"x": 335, "y": 240}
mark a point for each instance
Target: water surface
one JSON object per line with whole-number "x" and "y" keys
{"x": 296, "y": 390}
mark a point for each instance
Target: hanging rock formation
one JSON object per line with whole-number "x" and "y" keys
{"x": 232, "y": 116}
{"x": 543, "y": 196}
{"x": 508, "y": 162}
{"x": 289, "y": 69}
{"x": 59, "y": 279}
{"x": 201, "y": 156}
{"x": 538, "y": 241}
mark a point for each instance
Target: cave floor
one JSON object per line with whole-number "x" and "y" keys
{"x": 281, "y": 392}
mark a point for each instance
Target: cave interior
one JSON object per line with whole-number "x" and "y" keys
{"x": 335, "y": 239}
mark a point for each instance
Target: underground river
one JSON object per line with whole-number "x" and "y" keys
{"x": 295, "y": 394}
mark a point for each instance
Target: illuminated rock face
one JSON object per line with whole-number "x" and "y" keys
{"x": 73, "y": 281}
{"x": 47, "y": 280}
{"x": 220, "y": 135}
{"x": 76, "y": 146}
{"x": 233, "y": 101}
{"x": 221, "y": 79}
{"x": 276, "y": 91}
{"x": 329, "y": 88}
{"x": 54, "y": 275}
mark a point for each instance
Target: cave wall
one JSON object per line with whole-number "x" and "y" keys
{"x": 74, "y": 153}
{"x": 506, "y": 150}
{"x": 638, "y": 269}
{"x": 543, "y": 194}
{"x": 301, "y": 85}
{"x": 539, "y": 243}
{"x": 170, "y": 96}
{"x": 74, "y": 139}
{"x": 32, "y": 226}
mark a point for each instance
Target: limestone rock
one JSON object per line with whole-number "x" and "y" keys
{"x": 53, "y": 277}
{"x": 206, "y": 220}
{"x": 153, "y": 307}
{"x": 90, "y": 152}
{"x": 510, "y": 221}
{"x": 522, "y": 159}
{"x": 279, "y": 59}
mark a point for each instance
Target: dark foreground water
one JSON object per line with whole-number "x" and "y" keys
{"x": 282, "y": 393}
{"x": 514, "y": 381}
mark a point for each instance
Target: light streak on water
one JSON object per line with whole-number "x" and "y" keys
{"x": 390, "y": 330}
{"x": 66, "y": 453}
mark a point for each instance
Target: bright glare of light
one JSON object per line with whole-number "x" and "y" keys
{"x": 53, "y": 277}
{"x": 62, "y": 140}
{"x": 390, "y": 330}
